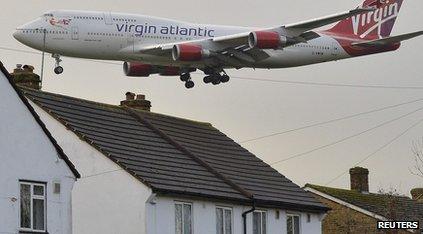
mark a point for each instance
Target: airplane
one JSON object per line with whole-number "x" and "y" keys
{"x": 151, "y": 45}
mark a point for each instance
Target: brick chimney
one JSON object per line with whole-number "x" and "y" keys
{"x": 136, "y": 102}
{"x": 25, "y": 76}
{"x": 417, "y": 194}
{"x": 359, "y": 179}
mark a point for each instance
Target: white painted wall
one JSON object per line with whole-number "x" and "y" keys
{"x": 26, "y": 153}
{"x": 161, "y": 218}
{"x": 106, "y": 199}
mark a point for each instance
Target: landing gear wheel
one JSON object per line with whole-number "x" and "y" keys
{"x": 58, "y": 70}
{"x": 207, "y": 79}
{"x": 216, "y": 80}
{"x": 225, "y": 78}
{"x": 185, "y": 77}
{"x": 189, "y": 84}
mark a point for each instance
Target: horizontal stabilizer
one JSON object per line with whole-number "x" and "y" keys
{"x": 389, "y": 40}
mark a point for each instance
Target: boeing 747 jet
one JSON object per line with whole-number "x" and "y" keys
{"x": 151, "y": 45}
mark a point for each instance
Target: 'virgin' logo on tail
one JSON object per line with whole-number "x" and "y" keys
{"x": 366, "y": 23}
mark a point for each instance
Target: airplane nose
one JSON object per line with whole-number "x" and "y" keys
{"x": 17, "y": 34}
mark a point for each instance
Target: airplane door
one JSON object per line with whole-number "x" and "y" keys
{"x": 335, "y": 49}
{"x": 75, "y": 33}
{"x": 108, "y": 18}
{"x": 130, "y": 42}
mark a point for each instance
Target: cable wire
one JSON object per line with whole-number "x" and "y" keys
{"x": 376, "y": 151}
{"x": 331, "y": 121}
{"x": 347, "y": 138}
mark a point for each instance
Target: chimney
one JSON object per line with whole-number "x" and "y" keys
{"x": 359, "y": 179}
{"x": 136, "y": 102}
{"x": 417, "y": 194}
{"x": 25, "y": 76}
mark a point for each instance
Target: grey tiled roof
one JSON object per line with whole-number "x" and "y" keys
{"x": 405, "y": 208}
{"x": 174, "y": 155}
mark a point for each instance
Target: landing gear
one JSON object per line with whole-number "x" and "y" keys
{"x": 216, "y": 78}
{"x": 186, "y": 77}
{"x": 57, "y": 69}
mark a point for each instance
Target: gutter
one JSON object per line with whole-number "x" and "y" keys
{"x": 244, "y": 215}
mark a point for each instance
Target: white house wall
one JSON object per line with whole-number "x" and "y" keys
{"x": 26, "y": 153}
{"x": 106, "y": 199}
{"x": 161, "y": 218}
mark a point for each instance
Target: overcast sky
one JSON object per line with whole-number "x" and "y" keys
{"x": 246, "y": 109}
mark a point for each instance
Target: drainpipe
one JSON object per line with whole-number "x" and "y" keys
{"x": 244, "y": 215}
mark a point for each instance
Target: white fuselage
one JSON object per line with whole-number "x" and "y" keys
{"x": 118, "y": 36}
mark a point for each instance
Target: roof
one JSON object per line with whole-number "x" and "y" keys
{"x": 406, "y": 209}
{"x": 176, "y": 156}
{"x": 59, "y": 150}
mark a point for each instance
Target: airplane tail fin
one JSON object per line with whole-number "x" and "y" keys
{"x": 372, "y": 25}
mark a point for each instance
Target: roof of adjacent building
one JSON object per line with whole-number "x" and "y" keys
{"x": 381, "y": 204}
{"x": 174, "y": 155}
{"x": 59, "y": 150}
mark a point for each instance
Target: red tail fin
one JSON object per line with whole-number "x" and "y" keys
{"x": 372, "y": 25}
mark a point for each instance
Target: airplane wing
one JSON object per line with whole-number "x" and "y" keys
{"x": 235, "y": 50}
{"x": 389, "y": 40}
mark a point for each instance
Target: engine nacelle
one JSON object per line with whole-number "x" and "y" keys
{"x": 137, "y": 69}
{"x": 189, "y": 53}
{"x": 266, "y": 40}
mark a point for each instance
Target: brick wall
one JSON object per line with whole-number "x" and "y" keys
{"x": 343, "y": 220}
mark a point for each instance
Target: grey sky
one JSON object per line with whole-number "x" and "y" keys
{"x": 248, "y": 109}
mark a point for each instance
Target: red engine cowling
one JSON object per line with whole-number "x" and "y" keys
{"x": 137, "y": 69}
{"x": 266, "y": 40}
{"x": 189, "y": 53}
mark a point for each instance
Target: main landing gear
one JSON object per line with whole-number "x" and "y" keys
{"x": 216, "y": 78}
{"x": 186, "y": 77}
{"x": 57, "y": 69}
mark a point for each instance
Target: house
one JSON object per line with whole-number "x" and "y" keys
{"x": 145, "y": 172}
{"x": 36, "y": 177}
{"x": 357, "y": 210}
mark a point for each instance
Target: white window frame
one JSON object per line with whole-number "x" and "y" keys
{"x": 261, "y": 213}
{"x": 293, "y": 224}
{"x": 224, "y": 220}
{"x": 32, "y": 198}
{"x": 192, "y": 214}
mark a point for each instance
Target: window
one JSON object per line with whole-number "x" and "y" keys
{"x": 292, "y": 224}
{"x": 223, "y": 220}
{"x": 183, "y": 218}
{"x": 33, "y": 206}
{"x": 259, "y": 222}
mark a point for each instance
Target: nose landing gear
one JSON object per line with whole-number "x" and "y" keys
{"x": 57, "y": 69}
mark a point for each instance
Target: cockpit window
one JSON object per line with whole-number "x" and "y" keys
{"x": 48, "y": 15}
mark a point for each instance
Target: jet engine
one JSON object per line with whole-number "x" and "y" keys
{"x": 137, "y": 69}
{"x": 266, "y": 40}
{"x": 189, "y": 53}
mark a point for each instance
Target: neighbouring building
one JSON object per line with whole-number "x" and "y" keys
{"x": 357, "y": 210}
{"x": 36, "y": 177}
{"x": 144, "y": 172}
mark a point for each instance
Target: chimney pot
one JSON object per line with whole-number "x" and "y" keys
{"x": 130, "y": 96}
{"x": 417, "y": 194}
{"x": 359, "y": 178}
{"x": 140, "y": 97}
